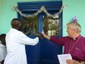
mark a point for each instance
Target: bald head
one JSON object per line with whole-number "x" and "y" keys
{"x": 16, "y": 23}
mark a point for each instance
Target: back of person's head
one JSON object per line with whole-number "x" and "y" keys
{"x": 75, "y": 26}
{"x": 16, "y": 23}
{"x": 2, "y": 38}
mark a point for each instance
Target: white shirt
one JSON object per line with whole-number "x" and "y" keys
{"x": 15, "y": 42}
{"x": 2, "y": 52}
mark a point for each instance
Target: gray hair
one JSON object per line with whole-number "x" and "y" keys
{"x": 75, "y": 25}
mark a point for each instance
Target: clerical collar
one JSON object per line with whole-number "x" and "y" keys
{"x": 76, "y": 37}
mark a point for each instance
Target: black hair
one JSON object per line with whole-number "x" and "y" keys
{"x": 2, "y": 38}
{"x": 16, "y": 23}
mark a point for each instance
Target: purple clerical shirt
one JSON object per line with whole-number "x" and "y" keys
{"x": 73, "y": 46}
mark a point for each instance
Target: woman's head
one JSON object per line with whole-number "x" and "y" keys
{"x": 16, "y": 23}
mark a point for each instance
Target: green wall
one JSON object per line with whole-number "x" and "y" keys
{"x": 74, "y": 8}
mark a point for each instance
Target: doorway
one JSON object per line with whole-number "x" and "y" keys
{"x": 45, "y": 52}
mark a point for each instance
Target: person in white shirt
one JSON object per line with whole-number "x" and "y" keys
{"x": 2, "y": 52}
{"x": 15, "y": 43}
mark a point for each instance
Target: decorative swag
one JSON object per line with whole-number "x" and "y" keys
{"x": 42, "y": 9}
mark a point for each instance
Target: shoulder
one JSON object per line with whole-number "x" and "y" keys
{"x": 65, "y": 37}
{"x": 14, "y": 32}
{"x": 82, "y": 38}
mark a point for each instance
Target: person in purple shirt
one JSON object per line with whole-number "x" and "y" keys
{"x": 74, "y": 43}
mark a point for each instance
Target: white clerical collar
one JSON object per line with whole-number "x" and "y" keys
{"x": 74, "y": 38}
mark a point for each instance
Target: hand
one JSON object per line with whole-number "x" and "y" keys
{"x": 45, "y": 36}
{"x": 69, "y": 61}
